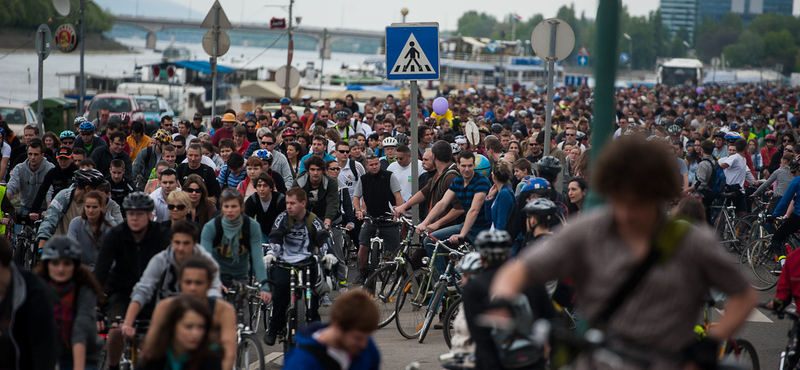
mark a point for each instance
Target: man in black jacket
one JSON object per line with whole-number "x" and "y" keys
{"x": 265, "y": 204}
{"x": 27, "y": 327}
{"x": 194, "y": 165}
{"x": 59, "y": 177}
{"x": 103, "y": 156}
{"x": 128, "y": 247}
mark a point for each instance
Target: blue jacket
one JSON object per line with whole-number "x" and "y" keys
{"x": 791, "y": 194}
{"x": 299, "y": 358}
{"x": 302, "y": 168}
{"x": 504, "y": 201}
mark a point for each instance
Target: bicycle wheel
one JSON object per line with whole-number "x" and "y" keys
{"x": 374, "y": 256}
{"x": 412, "y": 301}
{"x": 249, "y": 354}
{"x": 758, "y": 265}
{"x": 742, "y": 353}
{"x": 741, "y": 233}
{"x": 433, "y": 308}
{"x": 449, "y": 320}
{"x": 382, "y": 287}
{"x": 256, "y": 310}
{"x": 20, "y": 252}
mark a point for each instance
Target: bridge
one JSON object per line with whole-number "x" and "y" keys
{"x": 153, "y": 25}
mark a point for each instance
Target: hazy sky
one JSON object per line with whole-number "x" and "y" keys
{"x": 377, "y": 14}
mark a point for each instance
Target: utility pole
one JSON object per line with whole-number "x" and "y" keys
{"x": 214, "y": 60}
{"x": 322, "y": 56}
{"x": 630, "y": 55}
{"x": 82, "y": 84}
{"x": 287, "y": 90}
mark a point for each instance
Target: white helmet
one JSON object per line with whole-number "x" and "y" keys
{"x": 471, "y": 263}
{"x": 389, "y": 141}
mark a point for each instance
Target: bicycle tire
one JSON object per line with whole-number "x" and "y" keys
{"x": 249, "y": 353}
{"x": 291, "y": 328}
{"x": 433, "y": 309}
{"x": 374, "y": 256}
{"x": 256, "y": 310}
{"x": 302, "y": 311}
{"x": 412, "y": 301}
{"x": 743, "y": 354}
{"x": 382, "y": 286}
{"x": 741, "y": 232}
{"x": 19, "y": 252}
{"x": 758, "y": 266}
{"x": 449, "y": 318}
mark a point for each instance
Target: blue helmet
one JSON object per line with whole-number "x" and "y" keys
{"x": 734, "y": 126}
{"x": 264, "y": 154}
{"x": 285, "y": 101}
{"x": 66, "y": 134}
{"x": 732, "y": 137}
{"x": 86, "y": 127}
{"x": 536, "y": 185}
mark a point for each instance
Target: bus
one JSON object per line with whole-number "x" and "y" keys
{"x": 680, "y": 71}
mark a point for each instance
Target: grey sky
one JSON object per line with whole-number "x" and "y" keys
{"x": 375, "y": 15}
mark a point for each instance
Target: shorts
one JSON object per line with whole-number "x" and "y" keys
{"x": 117, "y": 305}
{"x": 389, "y": 232}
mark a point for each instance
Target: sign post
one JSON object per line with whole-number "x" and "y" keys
{"x": 216, "y": 20}
{"x": 552, "y": 40}
{"x": 43, "y": 37}
{"x": 412, "y": 53}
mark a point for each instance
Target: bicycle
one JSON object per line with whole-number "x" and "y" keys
{"x": 131, "y": 349}
{"x": 26, "y": 249}
{"x": 732, "y": 350}
{"x": 424, "y": 291}
{"x": 349, "y": 250}
{"x": 248, "y": 347}
{"x": 376, "y": 244}
{"x": 758, "y": 263}
{"x": 298, "y": 312}
{"x": 732, "y": 231}
{"x": 384, "y": 283}
{"x": 790, "y": 354}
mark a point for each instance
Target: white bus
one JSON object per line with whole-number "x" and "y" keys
{"x": 680, "y": 71}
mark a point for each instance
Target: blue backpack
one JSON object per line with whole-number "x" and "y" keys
{"x": 717, "y": 182}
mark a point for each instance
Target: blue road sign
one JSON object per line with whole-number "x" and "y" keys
{"x": 624, "y": 58}
{"x": 412, "y": 51}
{"x": 492, "y": 46}
{"x": 583, "y": 60}
{"x": 575, "y": 80}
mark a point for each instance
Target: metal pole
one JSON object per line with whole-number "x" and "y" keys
{"x": 214, "y": 61}
{"x": 414, "y": 148}
{"x": 82, "y": 87}
{"x": 551, "y": 65}
{"x": 287, "y": 89}
{"x": 605, "y": 73}
{"x": 322, "y": 56}
{"x": 630, "y": 59}
{"x": 502, "y": 78}
{"x": 40, "y": 54}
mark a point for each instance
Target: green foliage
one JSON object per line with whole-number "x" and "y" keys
{"x": 29, "y": 14}
{"x": 476, "y": 25}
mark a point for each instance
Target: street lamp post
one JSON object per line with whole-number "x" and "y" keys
{"x": 630, "y": 55}
{"x": 404, "y": 12}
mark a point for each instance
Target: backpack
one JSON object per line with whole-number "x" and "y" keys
{"x": 312, "y": 231}
{"x": 517, "y": 348}
{"x": 244, "y": 233}
{"x": 717, "y": 181}
{"x": 441, "y": 186}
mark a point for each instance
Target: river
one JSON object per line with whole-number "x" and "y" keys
{"x": 18, "y": 71}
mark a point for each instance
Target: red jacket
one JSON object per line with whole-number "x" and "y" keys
{"x": 789, "y": 281}
{"x": 766, "y": 155}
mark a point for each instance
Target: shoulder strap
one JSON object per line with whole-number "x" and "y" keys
{"x": 244, "y": 236}
{"x": 312, "y": 231}
{"x": 218, "y": 231}
{"x": 321, "y": 354}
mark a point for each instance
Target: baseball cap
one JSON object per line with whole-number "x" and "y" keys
{"x": 319, "y": 103}
{"x": 64, "y": 152}
{"x": 229, "y": 117}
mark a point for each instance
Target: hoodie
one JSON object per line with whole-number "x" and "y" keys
{"x": 301, "y": 358}
{"x": 32, "y": 328}
{"x": 161, "y": 277}
{"x": 27, "y": 182}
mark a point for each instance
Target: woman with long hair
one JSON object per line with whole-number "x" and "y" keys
{"x": 202, "y": 209}
{"x": 755, "y": 155}
{"x": 184, "y": 343}
{"x": 294, "y": 152}
{"x": 88, "y": 228}
{"x": 694, "y": 154}
{"x": 576, "y": 193}
{"x": 582, "y": 165}
{"x": 51, "y": 141}
{"x": 305, "y": 141}
{"x": 178, "y": 205}
{"x": 10, "y": 137}
{"x": 75, "y": 296}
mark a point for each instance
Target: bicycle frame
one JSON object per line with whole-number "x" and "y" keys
{"x": 425, "y": 287}
{"x": 299, "y": 282}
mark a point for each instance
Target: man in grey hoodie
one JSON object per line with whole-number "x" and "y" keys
{"x": 29, "y": 176}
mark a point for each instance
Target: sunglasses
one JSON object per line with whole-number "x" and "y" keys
{"x": 192, "y": 190}
{"x": 251, "y": 126}
{"x": 179, "y": 207}
{"x": 230, "y": 191}
{"x": 335, "y": 168}
{"x": 179, "y": 146}
{"x": 571, "y": 135}
{"x": 343, "y": 151}
{"x": 267, "y": 143}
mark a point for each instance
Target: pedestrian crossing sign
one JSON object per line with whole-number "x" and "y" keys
{"x": 412, "y": 51}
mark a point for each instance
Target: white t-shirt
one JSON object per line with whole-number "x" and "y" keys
{"x": 403, "y": 175}
{"x": 204, "y": 160}
{"x": 349, "y": 176}
{"x": 6, "y": 150}
{"x": 738, "y": 172}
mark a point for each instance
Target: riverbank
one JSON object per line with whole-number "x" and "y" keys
{"x": 23, "y": 41}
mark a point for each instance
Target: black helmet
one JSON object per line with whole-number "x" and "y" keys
{"x": 496, "y": 128}
{"x": 88, "y": 176}
{"x": 680, "y": 122}
{"x": 342, "y": 115}
{"x": 216, "y": 122}
{"x": 540, "y": 207}
{"x": 795, "y": 164}
{"x": 549, "y": 165}
{"x": 719, "y": 134}
{"x": 138, "y": 201}
{"x": 60, "y": 247}
{"x": 493, "y": 245}
{"x": 402, "y": 139}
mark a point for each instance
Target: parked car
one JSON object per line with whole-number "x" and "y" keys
{"x": 15, "y": 114}
{"x": 154, "y": 108}
{"x": 116, "y": 105}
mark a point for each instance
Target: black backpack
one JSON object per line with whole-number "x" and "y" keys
{"x": 244, "y": 233}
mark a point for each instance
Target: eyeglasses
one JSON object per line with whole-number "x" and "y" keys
{"x": 532, "y": 144}
{"x": 786, "y": 140}
{"x": 343, "y": 151}
{"x": 334, "y": 168}
{"x": 193, "y": 190}
{"x": 571, "y": 135}
{"x": 251, "y": 127}
{"x": 68, "y": 142}
{"x": 179, "y": 207}
{"x": 325, "y": 116}
{"x": 179, "y": 146}
{"x": 230, "y": 191}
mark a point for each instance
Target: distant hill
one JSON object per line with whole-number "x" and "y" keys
{"x": 149, "y": 8}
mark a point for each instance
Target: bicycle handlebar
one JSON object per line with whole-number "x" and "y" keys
{"x": 789, "y": 311}
{"x": 299, "y": 265}
{"x": 440, "y": 243}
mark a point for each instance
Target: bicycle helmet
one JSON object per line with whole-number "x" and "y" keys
{"x": 285, "y": 101}
{"x": 402, "y": 139}
{"x": 474, "y": 111}
{"x": 289, "y": 132}
{"x": 718, "y": 134}
{"x": 430, "y": 121}
{"x": 162, "y": 137}
{"x": 535, "y": 185}
{"x": 62, "y": 247}
{"x": 387, "y": 107}
{"x": 389, "y": 141}
{"x": 674, "y": 130}
{"x": 264, "y": 154}
{"x": 88, "y": 176}
{"x": 138, "y": 200}
{"x": 66, "y": 134}
{"x": 680, "y": 122}
{"x": 79, "y": 120}
{"x": 549, "y": 165}
{"x": 656, "y": 138}
{"x": 734, "y": 126}
{"x": 493, "y": 245}
{"x": 455, "y": 148}
{"x": 732, "y": 137}
{"x": 496, "y": 128}
{"x": 795, "y": 164}
{"x": 86, "y": 127}
{"x": 115, "y": 119}
{"x": 216, "y": 122}
{"x": 540, "y": 207}
{"x": 342, "y": 115}
{"x": 471, "y": 263}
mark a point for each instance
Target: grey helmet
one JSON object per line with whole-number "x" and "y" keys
{"x": 62, "y": 247}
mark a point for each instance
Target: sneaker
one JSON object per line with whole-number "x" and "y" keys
{"x": 439, "y": 326}
{"x": 270, "y": 336}
{"x": 361, "y": 278}
{"x": 343, "y": 283}
{"x": 325, "y": 301}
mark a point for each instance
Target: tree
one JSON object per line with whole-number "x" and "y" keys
{"x": 476, "y": 25}
{"x": 779, "y": 47}
{"x": 676, "y": 47}
{"x": 749, "y": 51}
{"x": 29, "y": 14}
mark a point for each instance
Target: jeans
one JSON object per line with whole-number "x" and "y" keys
{"x": 443, "y": 234}
{"x": 789, "y": 227}
{"x": 281, "y": 298}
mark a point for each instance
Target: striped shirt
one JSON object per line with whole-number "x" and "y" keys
{"x": 479, "y": 184}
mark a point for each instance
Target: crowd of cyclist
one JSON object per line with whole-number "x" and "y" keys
{"x": 131, "y": 219}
